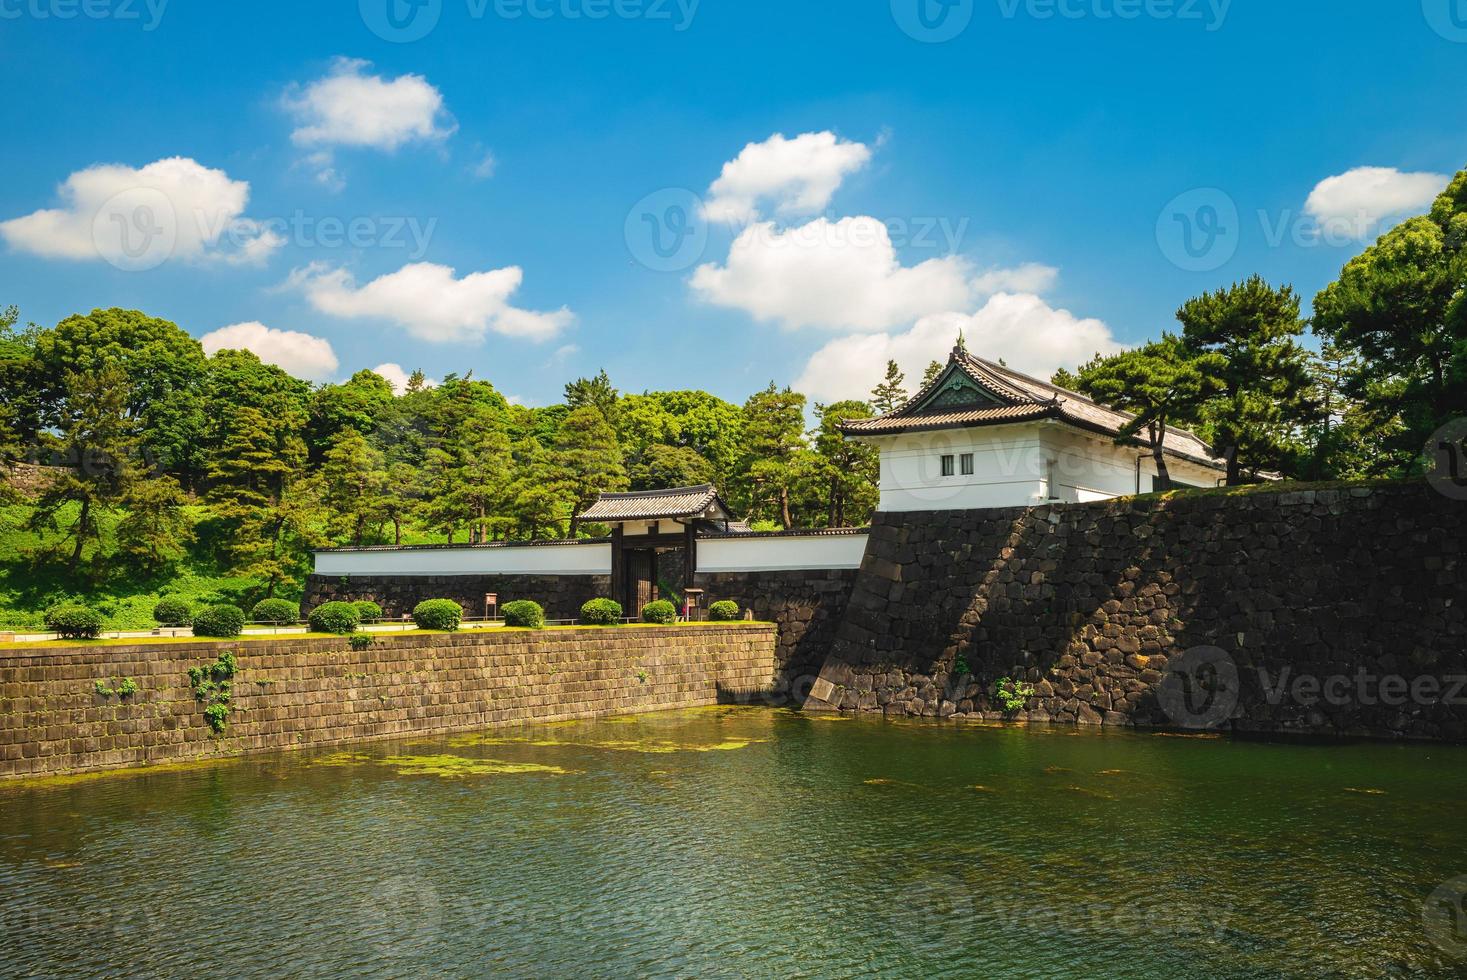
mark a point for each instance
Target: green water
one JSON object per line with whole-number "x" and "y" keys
{"x": 745, "y": 842}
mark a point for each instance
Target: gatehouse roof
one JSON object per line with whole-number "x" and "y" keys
{"x": 973, "y": 391}
{"x": 681, "y": 502}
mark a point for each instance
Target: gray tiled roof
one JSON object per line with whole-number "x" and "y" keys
{"x": 654, "y": 504}
{"x": 1024, "y": 399}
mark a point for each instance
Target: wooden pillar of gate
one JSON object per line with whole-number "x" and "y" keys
{"x": 690, "y": 556}
{"x": 618, "y": 565}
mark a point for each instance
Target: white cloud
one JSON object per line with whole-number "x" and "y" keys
{"x": 845, "y": 275}
{"x": 1021, "y": 329}
{"x": 351, "y": 108}
{"x": 299, "y": 354}
{"x": 398, "y": 377}
{"x": 430, "y": 303}
{"x": 1354, "y": 203}
{"x": 138, "y": 218}
{"x": 486, "y": 166}
{"x": 799, "y": 176}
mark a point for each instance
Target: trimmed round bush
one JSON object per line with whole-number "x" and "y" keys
{"x": 723, "y": 612}
{"x": 438, "y": 614}
{"x": 220, "y": 622}
{"x": 334, "y": 617}
{"x": 660, "y": 612}
{"x": 601, "y": 612}
{"x": 275, "y": 611}
{"x": 524, "y": 614}
{"x": 72, "y": 621}
{"x": 172, "y": 612}
{"x": 368, "y": 611}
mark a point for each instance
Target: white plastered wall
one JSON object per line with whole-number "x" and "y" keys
{"x": 783, "y": 553}
{"x": 581, "y": 559}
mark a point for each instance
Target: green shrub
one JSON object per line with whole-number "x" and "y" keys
{"x": 71, "y": 621}
{"x": 661, "y": 612}
{"x": 275, "y": 611}
{"x": 368, "y": 611}
{"x": 525, "y": 614}
{"x": 601, "y": 612}
{"x": 724, "y": 612}
{"x": 221, "y": 622}
{"x": 334, "y": 617}
{"x": 172, "y": 612}
{"x": 438, "y": 614}
{"x": 360, "y": 641}
{"x": 1012, "y": 695}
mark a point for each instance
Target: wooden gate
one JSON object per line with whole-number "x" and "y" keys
{"x": 641, "y": 581}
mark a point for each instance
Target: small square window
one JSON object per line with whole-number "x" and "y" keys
{"x": 966, "y": 461}
{"x": 947, "y": 466}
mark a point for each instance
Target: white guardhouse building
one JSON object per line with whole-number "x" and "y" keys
{"x": 983, "y": 435}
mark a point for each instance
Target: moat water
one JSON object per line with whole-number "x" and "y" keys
{"x": 749, "y": 842}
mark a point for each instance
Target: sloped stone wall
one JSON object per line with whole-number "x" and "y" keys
{"x": 293, "y": 693}
{"x": 1090, "y": 603}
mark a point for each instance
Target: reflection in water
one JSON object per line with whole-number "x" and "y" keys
{"x": 744, "y": 841}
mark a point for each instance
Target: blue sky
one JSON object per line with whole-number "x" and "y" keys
{"x": 1028, "y": 180}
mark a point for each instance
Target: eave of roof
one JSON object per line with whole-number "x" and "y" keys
{"x": 680, "y": 502}
{"x": 1027, "y": 399}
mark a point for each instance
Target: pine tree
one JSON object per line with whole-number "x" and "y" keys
{"x": 933, "y": 372}
{"x": 154, "y": 532}
{"x": 589, "y": 455}
{"x": 98, "y": 438}
{"x": 890, "y": 394}
{"x": 773, "y": 435}
{"x": 851, "y": 470}
{"x": 594, "y": 393}
{"x": 352, "y": 478}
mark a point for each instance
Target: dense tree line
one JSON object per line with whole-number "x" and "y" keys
{"x": 145, "y": 426}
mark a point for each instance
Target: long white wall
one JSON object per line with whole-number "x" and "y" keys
{"x": 781, "y": 553}
{"x": 580, "y": 559}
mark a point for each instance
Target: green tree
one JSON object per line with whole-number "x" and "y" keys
{"x": 352, "y": 477}
{"x": 540, "y": 498}
{"x": 1346, "y": 437}
{"x": 1262, "y": 372}
{"x": 1161, "y": 384}
{"x": 933, "y": 372}
{"x": 97, "y": 437}
{"x": 773, "y": 435}
{"x": 890, "y": 394}
{"x": 154, "y": 532}
{"x": 257, "y": 491}
{"x": 21, "y": 408}
{"x": 658, "y": 467}
{"x": 164, "y": 367}
{"x": 1401, "y": 305}
{"x": 359, "y": 404}
{"x": 696, "y": 420}
{"x": 596, "y": 393}
{"x": 589, "y": 456}
{"x": 850, "y": 470}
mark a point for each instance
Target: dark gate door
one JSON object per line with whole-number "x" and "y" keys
{"x": 641, "y": 581}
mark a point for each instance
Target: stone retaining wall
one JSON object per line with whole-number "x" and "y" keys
{"x": 1091, "y": 603}
{"x": 806, "y": 606}
{"x": 561, "y": 595}
{"x": 293, "y": 693}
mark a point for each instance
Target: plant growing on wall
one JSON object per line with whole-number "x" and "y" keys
{"x": 212, "y": 685}
{"x": 1011, "y": 695}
